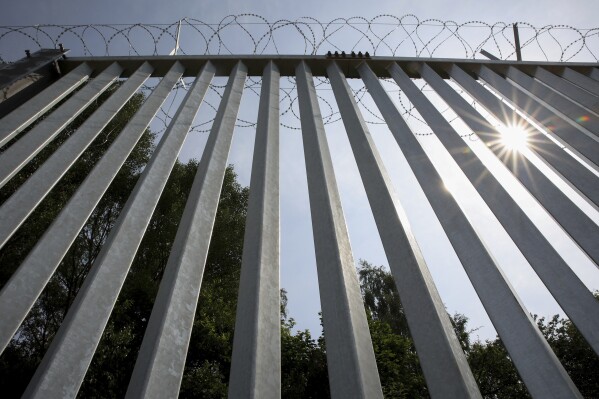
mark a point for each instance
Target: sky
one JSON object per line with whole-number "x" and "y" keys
{"x": 298, "y": 269}
{"x": 579, "y": 13}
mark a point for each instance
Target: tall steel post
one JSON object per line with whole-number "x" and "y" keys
{"x": 350, "y": 358}
{"x": 256, "y": 360}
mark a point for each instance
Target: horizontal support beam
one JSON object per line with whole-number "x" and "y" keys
{"x": 317, "y": 64}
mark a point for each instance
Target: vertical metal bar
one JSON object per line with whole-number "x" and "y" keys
{"x": 570, "y": 90}
{"x": 65, "y": 363}
{"x": 574, "y": 221}
{"x": 517, "y": 43}
{"x": 256, "y": 360}
{"x": 161, "y": 360}
{"x": 568, "y": 134}
{"x": 35, "y": 140}
{"x": 27, "y": 113}
{"x": 350, "y": 357}
{"x": 561, "y": 104}
{"x": 567, "y": 289}
{"x": 20, "y": 205}
{"x": 442, "y": 359}
{"x": 21, "y": 291}
{"x": 580, "y": 177}
{"x": 581, "y": 80}
{"x": 542, "y": 373}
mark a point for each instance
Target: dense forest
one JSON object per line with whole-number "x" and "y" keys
{"x": 304, "y": 366}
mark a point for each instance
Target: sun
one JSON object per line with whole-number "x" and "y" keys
{"x": 514, "y": 137}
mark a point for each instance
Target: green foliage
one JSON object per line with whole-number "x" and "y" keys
{"x": 209, "y": 356}
{"x": 577, "y": 357}
{"x": 113, "y": 362}
{"x": 381, "y": 299}
{"x": 303, "y": 361}
{"x": 490, "y": 363}
{"x": 27, "y": 348}
{"x": 204, "y": 380}
{"x": 396, "y": 358}
{"x": 212, "y": 336}
{"x": 397, "y": 362}
{"x": 494, "y": 371}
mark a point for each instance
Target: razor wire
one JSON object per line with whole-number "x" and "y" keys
{"x": 252, "y": 34}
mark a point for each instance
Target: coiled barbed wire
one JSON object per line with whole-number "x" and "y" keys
{"x": 382, "y": 35}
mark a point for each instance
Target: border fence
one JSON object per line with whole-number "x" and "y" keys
{"x": 555, "y": 102}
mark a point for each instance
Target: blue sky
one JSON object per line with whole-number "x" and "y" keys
{"x": 580, "y": 13}
{"x": 298, "y": 270}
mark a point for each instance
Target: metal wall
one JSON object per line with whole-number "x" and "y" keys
{"x": 551, "y": 95}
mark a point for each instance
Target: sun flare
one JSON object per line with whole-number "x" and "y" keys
{"x": 514, "y": 137}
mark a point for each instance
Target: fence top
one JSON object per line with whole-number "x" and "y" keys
{"x": 318, "y": 64}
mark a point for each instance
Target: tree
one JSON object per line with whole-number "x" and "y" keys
{"x": 303, "y": 360}
{"x": 577, "y": 357}
{"x": 493, "y": 370}
{"x": 381, "y": 298}
{"x": 490, "y": 363}
{"x": 396, "y": 358}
